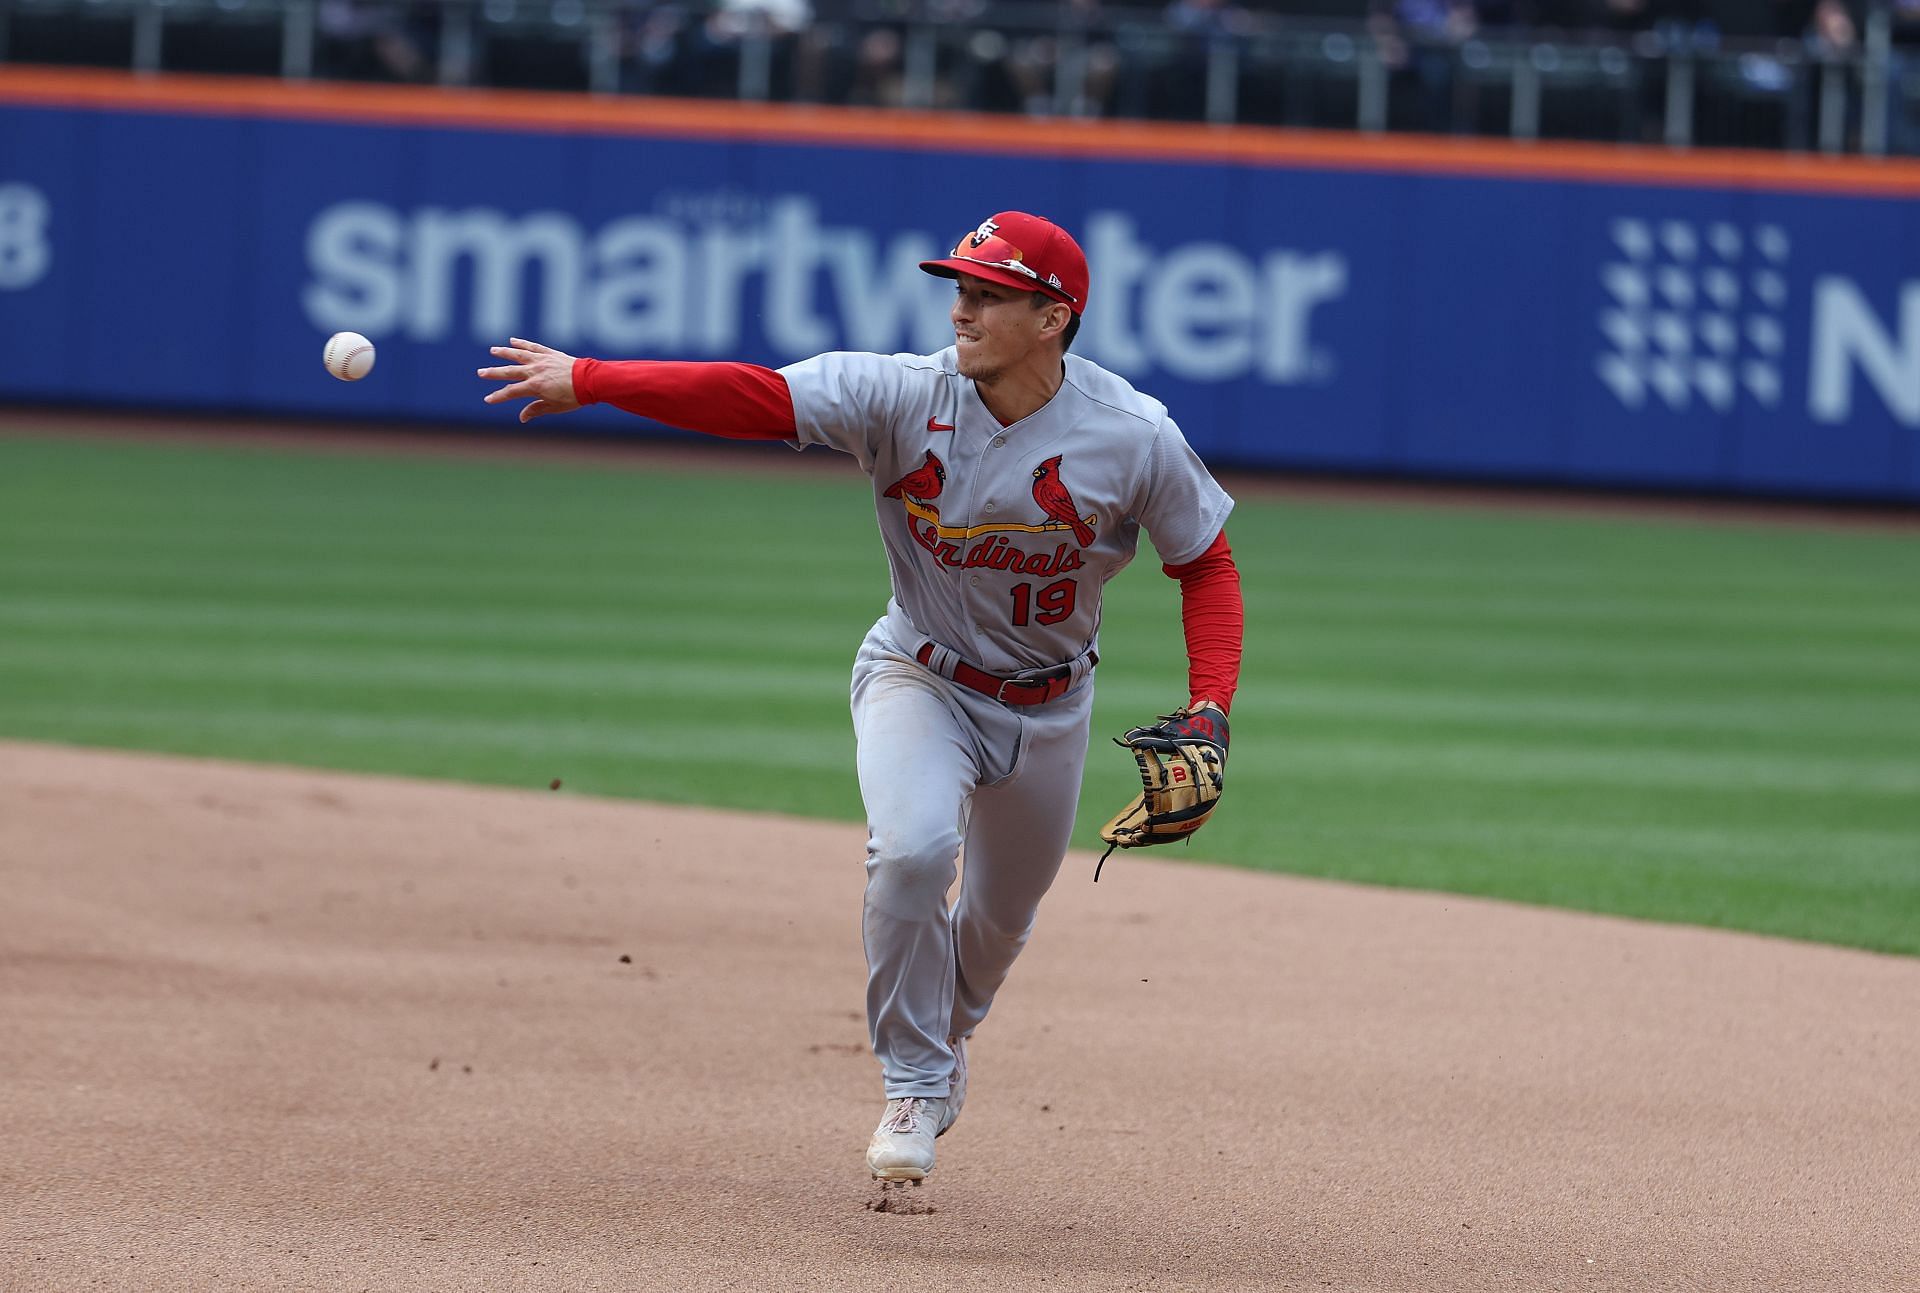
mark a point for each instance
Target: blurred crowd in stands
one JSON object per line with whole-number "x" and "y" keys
{"x": 1759, "y": 71}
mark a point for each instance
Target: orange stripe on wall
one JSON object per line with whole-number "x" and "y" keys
{"x": 950, "y": 131}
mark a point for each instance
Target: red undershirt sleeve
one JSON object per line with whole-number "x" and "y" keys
{"x": 1214, "y": 619}
{"x": 738, "y": 401}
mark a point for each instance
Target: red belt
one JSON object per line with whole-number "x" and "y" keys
{"x": 1035, "y": 690}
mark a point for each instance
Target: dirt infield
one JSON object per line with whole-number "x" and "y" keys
{"x": 268, "y": 1028}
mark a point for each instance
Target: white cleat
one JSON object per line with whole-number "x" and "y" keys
{"x": 902, "y": 1145}
{"x": 957, "y": 1093}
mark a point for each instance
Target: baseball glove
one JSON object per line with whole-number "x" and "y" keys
{"x": 1183, "y": 761}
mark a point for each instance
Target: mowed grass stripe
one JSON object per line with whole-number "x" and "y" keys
{"x": 1679, "y": 721}
{"x": 762, "y": 739}
{"x": 1754, "y": 712}
{"x": 1514, "y": 763}
{"x": 1852, "y": 731}
{"x": 1876, "y": 741}
{"x": 1582, "y": 664}
{"x": 1845, "y": 639}
{"x": 527, "y": 628}
{"x": 450, "y": 682}
{"x": 1811, "y": 608}
{"x": 685, "y": 694}
{"x": 328, "y": 642}
{"x": 1733, "y": 853}
{"x": 452, "y": 588}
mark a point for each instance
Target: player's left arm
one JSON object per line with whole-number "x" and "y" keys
{"x": 1184, "y": 511}
{"x": 1182, "y": 758}
{"x": 1213, "y": 618}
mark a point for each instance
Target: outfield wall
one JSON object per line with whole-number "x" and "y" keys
{"x": 1561, "y": 313}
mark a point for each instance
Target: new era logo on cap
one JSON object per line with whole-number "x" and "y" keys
{"x": 1021, "y": 251}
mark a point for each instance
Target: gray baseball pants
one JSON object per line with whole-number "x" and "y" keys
{"x": 942, "y": 766}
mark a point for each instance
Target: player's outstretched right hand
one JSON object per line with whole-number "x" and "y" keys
{"x": 538, "y": 373}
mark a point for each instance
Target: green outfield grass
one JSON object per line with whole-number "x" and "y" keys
{"x": 1699, "y": 722}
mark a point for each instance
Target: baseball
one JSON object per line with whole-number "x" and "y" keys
{"x": 349, "y": 356}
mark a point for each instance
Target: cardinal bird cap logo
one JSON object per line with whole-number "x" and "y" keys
{"x": 985, "y": 232}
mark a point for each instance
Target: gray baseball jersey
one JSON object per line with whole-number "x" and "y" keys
{"x": 1000, "y": 538}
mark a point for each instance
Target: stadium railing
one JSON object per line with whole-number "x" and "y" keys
{"x": 1679, "y": 86}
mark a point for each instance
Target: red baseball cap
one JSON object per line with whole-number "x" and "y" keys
{"x": 1023, "y": 251}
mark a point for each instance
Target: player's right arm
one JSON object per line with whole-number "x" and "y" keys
{"x": 852, "y": 401}
{"x": 739, "y": 401}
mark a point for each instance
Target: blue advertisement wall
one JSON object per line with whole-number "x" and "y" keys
{"x": 1564, "y": 330}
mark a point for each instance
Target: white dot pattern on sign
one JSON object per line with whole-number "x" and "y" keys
{"x": 1693, "y": 313}
{"x": 1724, "y": 287}
{"x": 1634, "y": 238}
{"x": 1719, "y": 333}
{"x": 1672, "y": 332}
{"x": 26, "y": 245}
{"x": 1628, "y": 284}
{"x": 1763, "y": 381}
{"x": 1714, "y": 380}
{"x": 1679, "y": 240}
{"x": 1677, "y": 286}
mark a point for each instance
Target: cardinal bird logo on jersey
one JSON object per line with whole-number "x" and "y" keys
{"x": 923, "y": 482}
{"x": 994, "y": 544}
{"x": 1051, "y": 493}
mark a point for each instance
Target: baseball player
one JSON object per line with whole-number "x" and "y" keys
{"x": 1012, "y": 480}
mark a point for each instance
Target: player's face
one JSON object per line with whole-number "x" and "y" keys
{"x": 994, "y": 327}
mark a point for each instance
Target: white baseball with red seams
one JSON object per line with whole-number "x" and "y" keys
{"x": 348, "y": 356}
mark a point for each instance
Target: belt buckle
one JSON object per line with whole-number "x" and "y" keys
{"x": 1050, "y": 683}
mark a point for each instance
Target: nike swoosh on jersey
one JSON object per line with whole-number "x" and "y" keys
{"x": 934, "y": 424}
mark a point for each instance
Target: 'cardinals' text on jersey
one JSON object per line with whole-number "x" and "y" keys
{"x": 999, "y": 539}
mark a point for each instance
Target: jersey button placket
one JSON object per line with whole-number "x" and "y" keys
{"x": 983, "y": 606}
{"x": 971, "y": 608}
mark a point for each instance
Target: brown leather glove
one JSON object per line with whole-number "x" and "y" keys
{"x": 1182, "y": 760}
